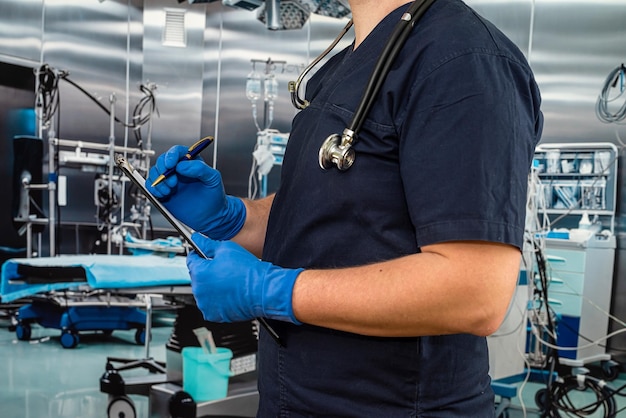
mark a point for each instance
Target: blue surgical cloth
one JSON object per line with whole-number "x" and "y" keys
{"x": 101, "y": 272}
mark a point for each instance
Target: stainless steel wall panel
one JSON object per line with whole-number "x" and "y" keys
{"x": 21, "y": 31}
{"x": 94, "y": 42}
{"x": 176, "y": 71}
{"x": 243, "y": 38}
{"x": 574, "y": 48}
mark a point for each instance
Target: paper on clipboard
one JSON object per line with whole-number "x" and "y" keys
{"x": 140, "y": 182}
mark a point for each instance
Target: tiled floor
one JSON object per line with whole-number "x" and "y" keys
{"x": 41, "y": 379}
{"x": 524, "y": 404}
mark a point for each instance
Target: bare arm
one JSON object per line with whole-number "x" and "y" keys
{"x": 252, "y": 235}
{"x": 454, "y": 287}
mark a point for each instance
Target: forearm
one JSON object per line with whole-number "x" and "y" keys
{"x": 446, "y": 289}
{"x": 252, "y": 234}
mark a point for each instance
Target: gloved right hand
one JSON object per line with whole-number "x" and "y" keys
{"x": 195, "y": 195}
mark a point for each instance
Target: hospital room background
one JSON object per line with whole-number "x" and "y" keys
{"x": 81, "y": 81}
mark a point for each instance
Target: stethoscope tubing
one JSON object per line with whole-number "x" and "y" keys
{"x": 336, "y": 150}
{"x": 386, "y": 59}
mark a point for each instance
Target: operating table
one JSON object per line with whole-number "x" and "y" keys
{"x": 87, "y": 292}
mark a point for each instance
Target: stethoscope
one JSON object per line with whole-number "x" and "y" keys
{"x": 336, "y": 150}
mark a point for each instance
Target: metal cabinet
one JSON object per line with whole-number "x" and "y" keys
{"x": 581, "y": 276}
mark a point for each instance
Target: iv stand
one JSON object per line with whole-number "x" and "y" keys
{"x": 269, "y": 65}
{"x": 112, "y": 100}
{"x": 52, "y": 188}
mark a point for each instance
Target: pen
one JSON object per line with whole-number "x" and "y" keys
{"x": 271, "y": 331}
{"x": 192, "y": 152}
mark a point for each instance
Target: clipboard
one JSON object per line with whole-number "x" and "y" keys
{"x": 140, "y": 182}
{"x": 184, "y": 231}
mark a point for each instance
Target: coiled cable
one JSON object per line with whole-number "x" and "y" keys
{"x": 615, "y": 80}
{"x": 560, "y": 401}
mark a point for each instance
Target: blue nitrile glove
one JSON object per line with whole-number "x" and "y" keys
{"x": 195, "y": 195}
{"x": 233, "y": 285}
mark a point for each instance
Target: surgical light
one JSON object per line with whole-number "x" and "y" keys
{"x": 243, "y": 4}
{"x": 286, "y": 14}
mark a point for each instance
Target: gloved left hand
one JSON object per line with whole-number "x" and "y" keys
{"x": 233, "y": 285}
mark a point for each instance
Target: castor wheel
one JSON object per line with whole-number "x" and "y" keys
{"x": 182, "y": 405}
{"x": 69, "y": 339}
{"x": 23, "y": 331}
{"x": 541, "y": 398}
{"x": 610, "y": 370}
{"x": 140, "y": 336}
{"x": 121, "y": 407}
{"x": 112, "y": 383}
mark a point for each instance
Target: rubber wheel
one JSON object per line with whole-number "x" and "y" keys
{"x": 182, "y": 405}
{"x": 23, "y": 331}
{"x": 541, "y": 397}
{"x": 140, "y": 336}
{"x": 610, "y": 372}
{"x": 121, "y": 407}
{"x": 69, "y": 339}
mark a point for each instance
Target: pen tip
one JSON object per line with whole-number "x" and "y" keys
{"x": 158, "y": 180}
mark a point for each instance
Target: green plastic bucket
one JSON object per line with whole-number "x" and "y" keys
{"x": 205, "y": 376}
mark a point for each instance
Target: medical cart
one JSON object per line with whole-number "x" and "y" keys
{"x": 579, "y": 186}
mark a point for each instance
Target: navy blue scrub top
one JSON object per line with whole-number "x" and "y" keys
{"x": 444, "y": 155}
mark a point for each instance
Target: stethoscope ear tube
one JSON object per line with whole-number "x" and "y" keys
{"x": 333, "y": 152}
{"x": 294, "y": 86}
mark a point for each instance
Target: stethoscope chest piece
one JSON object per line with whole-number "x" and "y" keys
{"x": 336, "y": 151}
